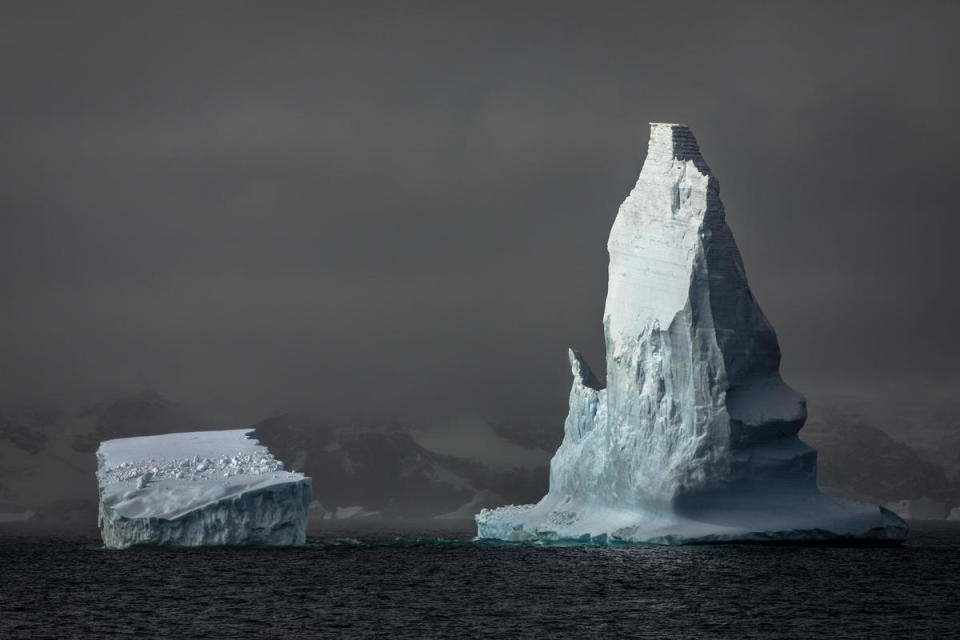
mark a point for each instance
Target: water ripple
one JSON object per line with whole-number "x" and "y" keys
{"x": 409, "y": 587}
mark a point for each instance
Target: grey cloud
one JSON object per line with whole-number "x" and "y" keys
{"x": 401, "y": 208}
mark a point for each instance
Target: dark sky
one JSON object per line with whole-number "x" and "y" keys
{"x": 401, "y": 209}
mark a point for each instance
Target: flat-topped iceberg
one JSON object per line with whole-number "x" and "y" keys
{"x": 694, "y": 436}
{"x": 198, "y": 488}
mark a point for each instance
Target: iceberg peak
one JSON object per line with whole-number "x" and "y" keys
{"x": 676, "y": 141}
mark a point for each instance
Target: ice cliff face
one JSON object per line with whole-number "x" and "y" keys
{"x": 695, "y": 435}
{"x": 198, "y": 488}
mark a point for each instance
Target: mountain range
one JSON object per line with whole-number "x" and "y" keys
{"x": 400, "y": 471}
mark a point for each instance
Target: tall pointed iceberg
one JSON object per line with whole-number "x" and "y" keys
{"x": 694, "y": 437}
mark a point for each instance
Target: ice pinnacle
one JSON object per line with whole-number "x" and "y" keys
{"x": 694, "y": 437}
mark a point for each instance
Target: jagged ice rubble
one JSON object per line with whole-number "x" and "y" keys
{"x": 198, "y": 488}
{"x": 694, "y": 437}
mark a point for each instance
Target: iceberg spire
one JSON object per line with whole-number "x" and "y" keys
{"x": 695, "y": 435}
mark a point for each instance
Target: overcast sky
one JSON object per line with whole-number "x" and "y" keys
{"x": 400, "y": 209}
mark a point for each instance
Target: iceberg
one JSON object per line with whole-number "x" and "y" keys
{"x": 694, "y": 436}
{"x": 196, "y": 489}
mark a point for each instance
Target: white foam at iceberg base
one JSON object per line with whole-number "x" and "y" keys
{"x": 198, "y": 488}
{"x": 694, "y": 436}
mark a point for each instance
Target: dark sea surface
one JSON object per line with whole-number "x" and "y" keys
{"x": 366, "y": 582}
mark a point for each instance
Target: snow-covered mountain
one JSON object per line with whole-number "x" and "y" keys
{"x": 399, "y": 472}
{"x": 148, "y": 413}
{"x": 47, "y": 464}
{"x": 861, "y": 462}
{"x": 928, "y": 424}
{"x": 454, "y": 469}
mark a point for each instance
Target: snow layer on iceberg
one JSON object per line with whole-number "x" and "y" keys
{"x": 694, "y": 436}
{"x": 198, "y": 488}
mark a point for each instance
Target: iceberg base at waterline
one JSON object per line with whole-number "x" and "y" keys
{"x": 811, "y": 518}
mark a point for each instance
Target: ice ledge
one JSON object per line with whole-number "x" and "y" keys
{"x": 198, "y": 488}
{"x": 816, "y": 519}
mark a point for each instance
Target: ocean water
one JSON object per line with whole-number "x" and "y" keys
{"x": 359, "y": 583}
